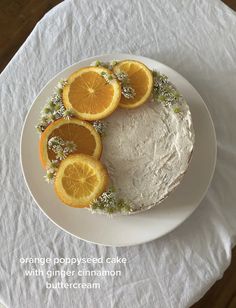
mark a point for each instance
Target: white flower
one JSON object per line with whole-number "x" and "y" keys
{"x": 122, "y": 76}
{"x": 100, "y": 127}
{"x": 128, "y": 92}
{"x": 50, "y": 175}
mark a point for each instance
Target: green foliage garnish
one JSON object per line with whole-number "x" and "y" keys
{"x": 177, "y": 110}
{"x": 54, "y": 109}
{"x": 109, "y": 202}
{"x": 163, "y": 90}
{"x": 107, "y": 77}
{"x": 108, "y": 65}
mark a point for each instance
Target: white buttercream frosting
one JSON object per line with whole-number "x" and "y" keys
{"x": 147, "y": 150}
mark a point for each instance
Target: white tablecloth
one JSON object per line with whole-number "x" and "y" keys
{"x": 196, "y": 38}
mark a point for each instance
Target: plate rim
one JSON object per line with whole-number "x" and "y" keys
{"x": 124, "y": 56}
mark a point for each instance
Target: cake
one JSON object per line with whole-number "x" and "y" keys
{"x": 147, "y": 143}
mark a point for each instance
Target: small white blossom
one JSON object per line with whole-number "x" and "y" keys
{"x": 53, "y": 165}
{"x": 122, "y": 76}
{"x": 71, "y": 146}
{"x": 50, "y": 176}
{"x": 61, "y": 154}
{"x": 100, "y": 127}
{"x": 55, "y": 141}
{"x": 62, "y": 83}
{"x": 128, "y": 92}
{"x": 61, "y": 147}
{"x": 40, "y": 128}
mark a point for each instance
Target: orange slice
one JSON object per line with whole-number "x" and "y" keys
{"x": 89, "y": 95}
{"x": 141, "y": 80}
{"x": 83, "y": 134}
{"x": 80, "y": 180}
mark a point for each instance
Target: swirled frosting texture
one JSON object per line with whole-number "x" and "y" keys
{"x": 147, "y": 150}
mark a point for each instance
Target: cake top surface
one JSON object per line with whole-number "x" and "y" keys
{"x": 147, "y": 151}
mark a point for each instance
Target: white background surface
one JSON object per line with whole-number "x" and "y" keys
{"x": 197, "y": 38}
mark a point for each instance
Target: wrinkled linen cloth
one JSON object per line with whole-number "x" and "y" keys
{"x": 197, "y": 39}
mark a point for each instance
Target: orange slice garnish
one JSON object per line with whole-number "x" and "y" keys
{"x": 140, "y": 79}
{"x": 80, "y": 180}
{"x": 83, "y": 134}
{"x": 89, "y": 95}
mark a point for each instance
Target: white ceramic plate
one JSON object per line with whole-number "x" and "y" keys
{"x": 133, "y": 229}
